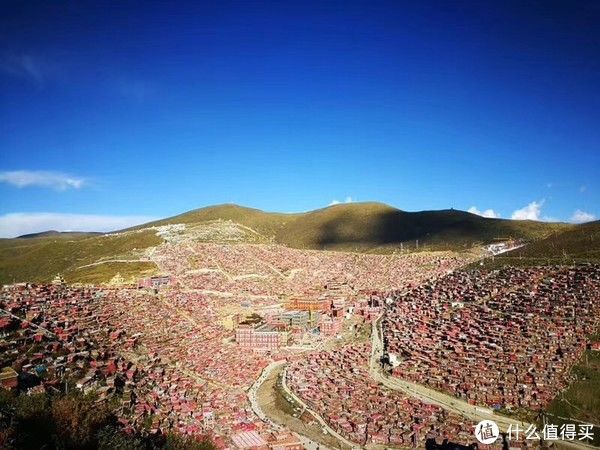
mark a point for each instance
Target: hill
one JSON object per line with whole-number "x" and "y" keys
{"x": 368, "y": 226}
{"x": 379, "y": 227}
{"x": 40, "y": 259}
{"x": 577, "y": 244}
{"x": 265, "y": 223}
{"x": 360, "y": 227}
{"x": 58, "y": 234}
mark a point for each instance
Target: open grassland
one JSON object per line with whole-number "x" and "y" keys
{"x": 40, "y": 259}
{"x": 102, "y": 273}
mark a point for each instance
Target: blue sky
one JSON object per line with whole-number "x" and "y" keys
{"x": 114, "y": 114}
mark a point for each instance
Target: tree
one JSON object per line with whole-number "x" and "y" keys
{"x": 112, "y": 438}
{"x": 178, "y": 442}
{"x": 34, "y": 425}
{"x": 78, "y": 420}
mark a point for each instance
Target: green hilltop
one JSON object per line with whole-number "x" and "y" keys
{"x": 265, "y": 223}
{"x": 359, "y": 227}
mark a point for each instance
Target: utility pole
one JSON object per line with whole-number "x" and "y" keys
{"x": 544, "y": 420}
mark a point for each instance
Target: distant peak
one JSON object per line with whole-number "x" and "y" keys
{"x": 361, "y": 205}
{"x": 229, "y": 206}
{"x": 40, "y": 234}
{"x": 56, "y": 233}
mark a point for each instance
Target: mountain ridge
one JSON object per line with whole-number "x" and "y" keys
{"x": 55, "y": 233}
{"x": 364, "y": 226}
{"x": 367, "y": 227}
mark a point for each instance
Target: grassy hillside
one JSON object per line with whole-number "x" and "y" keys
{"x": 40, "y": 259}
{"x": 581, "y": 400}
{"x": 363, "y": 227}
{"x": 101, "y": 273}
{"x": 59, "y": 234}
{"x": 379, "y": 227}
{"x": 579, "y": 243}
{"x": 265, "y": 223}
{"x": 369, "y": 227}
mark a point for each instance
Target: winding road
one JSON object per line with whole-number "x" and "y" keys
{"x": 426, "y": 394}
{"x": 308, "y": 443}
{"x": 415, "y": 390}
{"x": 440, "y": 399}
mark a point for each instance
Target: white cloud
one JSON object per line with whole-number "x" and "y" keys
{"x": 580, "y": 216}
{"x": 582, "y": 188}
{"x": 16, "y": 224}
{"x": 337, "y": 202}
{"x": 490, "y": 213}
{"x": 39, "y": 178}
{"x": 532, "y": 211}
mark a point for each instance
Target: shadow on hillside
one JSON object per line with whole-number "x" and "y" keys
{"x": 395, "y": 227}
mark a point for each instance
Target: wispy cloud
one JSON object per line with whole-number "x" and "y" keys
{"x": 27, "y": 67}
{"x": 16, "y": 224}
{"x": 40, "y": 178}
{"x": 337, "y": 202}
{"x": 580, "y": 216}
{"x": 532, "y": 211}
{"x": 138, "y": 90}
{"x": 489, "y": 213}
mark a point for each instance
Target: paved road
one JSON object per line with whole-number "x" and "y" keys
{"x": 440, "y": 399}
{"x": 426, "y": 394}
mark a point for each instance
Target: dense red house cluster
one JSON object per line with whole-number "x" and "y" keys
{"x": 505, "y": 338}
